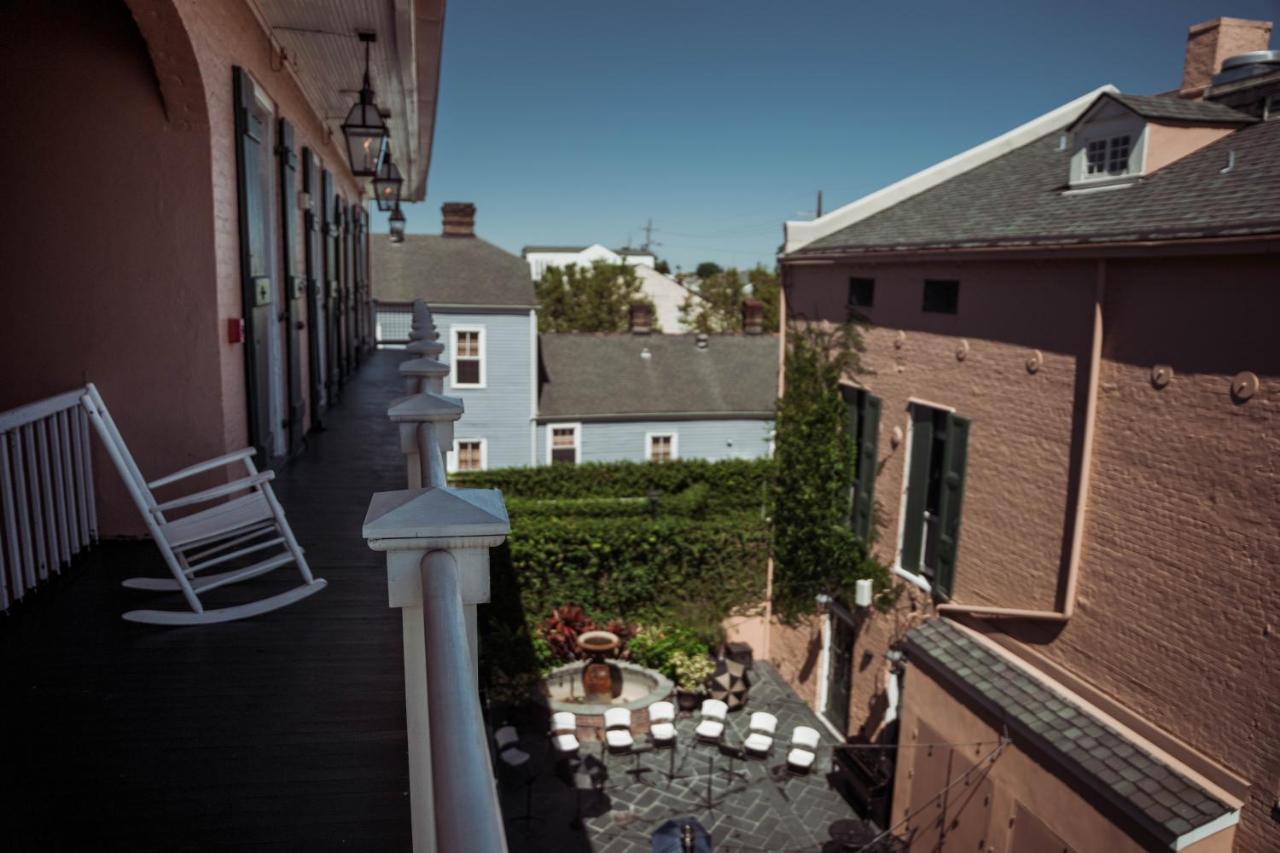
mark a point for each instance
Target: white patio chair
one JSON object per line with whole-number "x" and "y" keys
{"x": 761, "y": 728}
{"x": 804, "y": 749}
{"x": 662, "y": 727}
{"x": 564, "y": 733}
{"x": 239, "y": 519}
{"x": 617, "y": 730}
{"x": 711, "y": 727}
{"x": 506, "y": 738}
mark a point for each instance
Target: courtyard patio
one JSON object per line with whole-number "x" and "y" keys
{"x": 614, "y": 803}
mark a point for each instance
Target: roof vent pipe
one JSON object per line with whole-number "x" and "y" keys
{"x": 701, "y": 340}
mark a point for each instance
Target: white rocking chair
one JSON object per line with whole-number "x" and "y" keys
{"x": 245, "y": 519}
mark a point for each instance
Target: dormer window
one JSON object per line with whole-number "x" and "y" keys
{"x": 1109, "y": 157}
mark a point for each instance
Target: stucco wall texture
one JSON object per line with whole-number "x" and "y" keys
{"x": 126, "y": 268}
{"x": 1176, "y": 613}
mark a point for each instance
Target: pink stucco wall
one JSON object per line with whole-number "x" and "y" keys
{"x": 121, "y": 237}
{"x": 1177, "y": 598}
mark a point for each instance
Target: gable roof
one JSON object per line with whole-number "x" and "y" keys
{"x": 445, "y": 271}
{"x": 607, "y": 377}
{"x": 1018, "y": 200}
{"x": 1166, "y": 108}
{"x": 1147, "y": 788}
{"x": 798, "y": 235}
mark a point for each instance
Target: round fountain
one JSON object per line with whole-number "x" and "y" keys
{"x": 590, "y": 687}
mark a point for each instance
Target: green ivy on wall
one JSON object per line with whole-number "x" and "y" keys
{"x": 814, "y": 550}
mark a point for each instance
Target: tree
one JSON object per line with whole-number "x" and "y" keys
{"x": 662, "y": 267}
{"x": 766, "y": 286}
{"x": 706, "y": 269}
{"x": 718, "y": 308}
{"x": 815, "y": 551}
{"x": 588, "y": 299}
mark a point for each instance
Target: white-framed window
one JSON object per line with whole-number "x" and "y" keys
{"x": 661, "y": 446}
{"x": 469, "y": 454}
{"x": 468, "y": 362}
{"x": 564, "y": 444}
{"x": 1107, "y": 157}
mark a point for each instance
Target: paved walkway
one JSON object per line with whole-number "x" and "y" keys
{"x": 758, "y": 808}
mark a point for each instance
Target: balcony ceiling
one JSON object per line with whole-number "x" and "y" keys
{"x": 319, "y": 38}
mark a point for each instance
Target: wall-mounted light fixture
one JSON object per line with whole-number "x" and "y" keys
{"x": 366, "y": 132}
{"x": 387, "y": 183}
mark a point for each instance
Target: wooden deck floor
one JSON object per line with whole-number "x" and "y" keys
{"x": 283, "y": 732}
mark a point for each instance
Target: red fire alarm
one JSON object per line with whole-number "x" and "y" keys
{"x": 235, "y": 330}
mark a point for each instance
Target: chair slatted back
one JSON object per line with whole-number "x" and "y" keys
{"x": 106, "y": 428}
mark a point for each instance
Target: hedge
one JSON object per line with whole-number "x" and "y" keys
{"x": 640, "y": 569}
{"x": 732, "y": 483}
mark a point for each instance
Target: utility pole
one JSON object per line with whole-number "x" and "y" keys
{"x": 648, "y": 230}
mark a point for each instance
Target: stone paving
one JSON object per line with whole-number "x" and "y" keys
{"x": 747, "y": 805}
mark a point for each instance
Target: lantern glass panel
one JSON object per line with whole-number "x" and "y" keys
{"x": 366, "y": 138}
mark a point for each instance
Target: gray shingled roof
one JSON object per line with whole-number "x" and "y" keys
{"x": 450, "y": 271}
{"x": 586, "y": 376}
{"x": 1164, "y": 108}
{"x": 527, "y": 249}
{"x": 1017, "y": 200}
{"x": 1159, "y": 798}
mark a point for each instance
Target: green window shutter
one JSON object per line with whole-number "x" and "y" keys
{"x": 952, "y": 495}
{"x": 917, "y": 486}
{"x": 864, "y": 491}
{"x": 852, "y": 410}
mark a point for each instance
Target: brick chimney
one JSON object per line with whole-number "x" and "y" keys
{"x": 641, "y": 318}
{"x": 459, "y": 219}
{"x": 752, "y": 316}
{"x": 1211, "y": 42}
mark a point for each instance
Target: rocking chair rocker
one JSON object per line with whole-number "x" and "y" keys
{"x": 244, "y": 518}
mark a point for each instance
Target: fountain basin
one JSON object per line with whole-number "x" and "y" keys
{"x": 562, "y": 689}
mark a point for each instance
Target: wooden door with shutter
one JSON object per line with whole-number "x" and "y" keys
{"x": 253, "y": 165}
{"x": 344, "y": 265}
{"x": 294, "y": 291}
{"x": 313, "y": 265}
{"x": 328, "y": 207}
{"x": 348, "y": 290}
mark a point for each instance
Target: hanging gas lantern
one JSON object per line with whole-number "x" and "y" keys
{"x": 387, "y": 183}
{"x": 366, "y": 132}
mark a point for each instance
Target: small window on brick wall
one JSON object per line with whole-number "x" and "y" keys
{"x": 941, "y": 296}
{"x": 862, "y": 292}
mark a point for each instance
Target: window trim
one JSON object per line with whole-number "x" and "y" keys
{"x": 577, "y": 439}
{"x": 906, "y": 574}
{"x": 452, "y": 462}
{"x": 648, "y": 444}
{"x": 453, "y": 357}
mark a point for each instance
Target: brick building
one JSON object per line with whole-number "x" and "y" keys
{"x": 183, "y": 227}
{"x": 1070, "y": 403}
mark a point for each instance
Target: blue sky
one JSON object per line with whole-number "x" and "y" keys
{"x": 576, "y": 121}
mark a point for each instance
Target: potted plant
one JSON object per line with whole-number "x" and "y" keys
{"x": 691, "y": 672}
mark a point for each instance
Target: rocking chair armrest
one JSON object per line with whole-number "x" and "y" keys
{"x": 201, "y": 467}
{"x": 217, "y": 491}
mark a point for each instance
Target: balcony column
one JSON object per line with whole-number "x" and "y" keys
{"x": 426, "y": 430}
{"x": 437, "y": 543}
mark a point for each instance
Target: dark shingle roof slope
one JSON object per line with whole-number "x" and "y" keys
{"x": 1163, "y": 108}
{"x": 593, "y": 376}
{"x": 1158, "y": 797}
{"x": 528, "y": 249}
{"x": 450, "y": 271}
{"x": 1017, "y": 200}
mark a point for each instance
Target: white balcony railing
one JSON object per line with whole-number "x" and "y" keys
{"x": 47, "y": 511}
{"x": 437, "y": 542}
